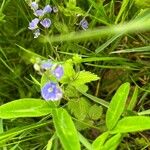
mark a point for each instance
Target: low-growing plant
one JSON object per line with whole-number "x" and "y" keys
{"x": 74, "y": 74}
{"x": 60, "y": 87}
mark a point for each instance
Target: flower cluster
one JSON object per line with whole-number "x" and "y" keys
{"x": 51, "y": 90}
{"x": 56, "y": 70}
{"x": 40, "y": 14}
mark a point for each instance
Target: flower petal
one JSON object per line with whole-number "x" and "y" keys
{"x": 51, "y": 91}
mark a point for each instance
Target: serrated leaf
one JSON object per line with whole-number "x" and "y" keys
{"x": 95, "y": 112}
{"x": 117, "y": 105}
{"x": 84, "y": 77}
{"x": 65, "y": 129}
{"x": 132, "y": 124}
{"x": 83, "y": 87}
{"x": 79, "y": 107}
{"x": 27, "y": 107}
{"x": 84, "y": 124}
{"x": 99, "y": 141}
{"x": 71, "y": 91}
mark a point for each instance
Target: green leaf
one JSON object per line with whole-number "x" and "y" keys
{"x": 27, "y": 107}
{"x": 95, "y": 112}
{"x": 113, "y": 142}
{"x": 99, "y": 141}
{"x": 71, "y": 91}
{"x": 82, "y": 125}
{"x": 132, "y": 124}
{"x": 69, "y": 72}
{"x": 143, "y": 3}
{"x": 65, "y": 129}
{"x": 79, "y": 107}
{"x": 84, "y": 77}
{"x": 77, "y": 59}
{"x": 117, "y": 105}
{"x": 83, "y": 87}
{"x": 71, "y": 3}
{"x": 133, "y": 100}
{"x": 85, "y": 142}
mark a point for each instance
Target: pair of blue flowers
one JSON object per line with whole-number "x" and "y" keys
{"x": 51, "y": 90}
{"x": 40, "y": 13}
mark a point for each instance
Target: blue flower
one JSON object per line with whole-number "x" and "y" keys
{"x": 33, "y": 24}
{"x": 39, "y": 13}
{"x": 36, "y": 33}
{"x": 34, "y": 6}
{"x": 47, "y": 9}
{"x": 46, "y": 23}
{"x": 84, "y": 24}
{"x": 51, "y": 91}
{"x": 46, "y": 64}
{"x": 58, "y": 72}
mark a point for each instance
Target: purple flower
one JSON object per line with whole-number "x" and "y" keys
{"x": 58, "y": 72}
{"x": 34, "y": 6}
{"x": 36, "y": 33}
{"x": 51, "y": 91}
{"x": 33, "y": 24}
{"x": 47, "y": 9}
{"x": 84, "y": 24}
{"x": 55, "y": 9}
{"x": 46, "y": 64}
{"x": 46, "y": 23}
{"x": 39, "y": 13}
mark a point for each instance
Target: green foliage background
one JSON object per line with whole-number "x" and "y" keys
{"x": 106, "y": 82}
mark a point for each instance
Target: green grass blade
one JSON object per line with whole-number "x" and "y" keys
{"x": 65, "y": 129}
{"x": 95, "y": 99}
{"x": 140, "y": 24}
{"x": 117, "y": 105}
{"x": 89, "y": 59}
{"x": 122, "y": 9}
{"x": 146, "y": 112}
{"x": 8, "y": 135}
{"x": 103, "y": 46}
{"x": 134, "y": 50}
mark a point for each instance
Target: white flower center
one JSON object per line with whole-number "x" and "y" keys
{"x": 50, "y": 90}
